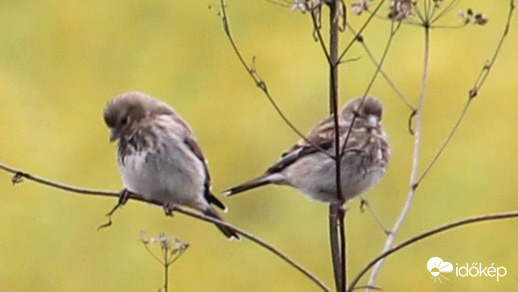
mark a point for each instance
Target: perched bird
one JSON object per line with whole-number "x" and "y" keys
{"x": 309, "y": 165}
{"x": 158, "y": 155}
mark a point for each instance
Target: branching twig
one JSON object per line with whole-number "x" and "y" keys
{"x": 414, "y": 179}
{"x": 259, "y": 82}
{"x": 19, "y": 174}
{"x": 359, "y": 38}
{"x": 360, "y": 31}
{"x": 426, "y": 234}
{"x": 473, "y": 92}
{"x": 318, "y": 33}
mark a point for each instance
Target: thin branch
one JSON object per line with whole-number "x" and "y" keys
{"x": 260, "y": 242}
{"x": 443, "y": 12}
{"x": 406, "y": 21}
{"x": 420, "y": 17}
{"x": 394, "y": 27}
{"x": 318, "y": 33}
{"x": 359, "y": 38}
{"x": 360, "y": 31}
{"x": 415, "y": 160}
{"x": 152, "y": 254}
{"x": 286, "y": 4}
{"x": 429, "y": 233}
{"x": 166, "y": 276}
{"x": 259, "y": 82}
{"x": 18, "y": 175}
{"x": 447, "y": 141}
{"x": 473, "y": 92}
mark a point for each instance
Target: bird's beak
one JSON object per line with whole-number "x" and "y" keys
{"x": 114, "y": 134}
{"x": 372, "y": 121}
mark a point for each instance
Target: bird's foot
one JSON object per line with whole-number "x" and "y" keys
{"x": 363, "y": 204}
{"x": 124, "y": 196}
{"x": 169, "y": 208}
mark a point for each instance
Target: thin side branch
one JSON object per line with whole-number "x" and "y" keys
{"x": 359, "y": 38}
{"x": 18, "y": 176}
{"x": 360, "y": 31}
{"x": 429, "y": 233}
{"x": 473, "y": 92}
{"x": 316, "y": 28}
{"x": 259, "y": 82}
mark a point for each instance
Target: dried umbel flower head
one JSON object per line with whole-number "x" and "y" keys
{"x": 359, "y": 7}
{"x": 166, "y": 242}
{"x": 400, "y": 9}
{"x": 305, "y": 5}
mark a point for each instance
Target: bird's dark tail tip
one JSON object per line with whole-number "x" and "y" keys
{"x": 229, "y": 232}
{"x": 251, "y": 184}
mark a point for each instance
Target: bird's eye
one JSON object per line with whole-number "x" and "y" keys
{"x": 124, "y": 121}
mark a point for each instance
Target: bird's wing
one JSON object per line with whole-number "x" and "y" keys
{"x": 193, "y": 145}
{"x": 323, "y": 136}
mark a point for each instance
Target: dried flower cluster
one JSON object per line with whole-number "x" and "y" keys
{"x": 305, "y": 5}
{"x": 172, "y": 245}
{"x": 469, "y": 16}
{"x": 359, "y": 7}
{"x": 400, "y": 9}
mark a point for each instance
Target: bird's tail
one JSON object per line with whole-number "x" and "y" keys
{"x": 229, "y": 232}
{"x": 251, "y": 184}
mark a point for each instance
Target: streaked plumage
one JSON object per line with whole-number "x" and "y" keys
{"x": 158, "y": 155}
{"x": 306, "y": 168}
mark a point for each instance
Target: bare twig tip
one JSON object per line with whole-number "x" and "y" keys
{"x": 105, "y": 225}
{"x": 109, "y": 215}
{"x": 363, "y": 203}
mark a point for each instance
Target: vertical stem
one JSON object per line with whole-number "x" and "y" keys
{"x": 336, "y": 215}
{"x": 334, "y": 33}
{"x": 414, "y": 178}
{"x": 336, "y": 251}
{"x": 166, "y": 277}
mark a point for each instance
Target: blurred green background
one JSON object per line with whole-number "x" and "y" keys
{"x": 60, "y": 61}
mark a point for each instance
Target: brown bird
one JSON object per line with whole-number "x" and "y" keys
{"x": 158, "y": 155}
{"x": 312, "y": 170}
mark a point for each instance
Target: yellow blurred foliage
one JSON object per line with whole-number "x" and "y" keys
{"x": 60, "y": 61}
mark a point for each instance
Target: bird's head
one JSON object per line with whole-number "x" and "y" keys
{"x": 125, "y": 112}
{"x": 368, "y": 113}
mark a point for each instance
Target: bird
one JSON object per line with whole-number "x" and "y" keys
{"x": 310, "y": 164}
{"x": 159, "y": 157}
